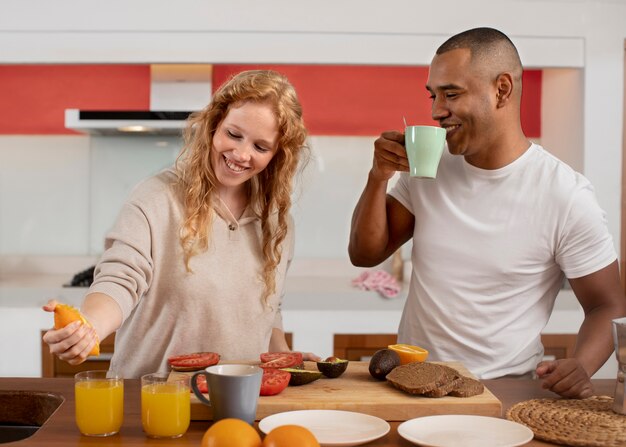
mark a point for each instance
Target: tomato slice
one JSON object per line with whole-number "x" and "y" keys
{"x": 193, "y": 361}
{"x": 280, "y": 359}
{"x": 201, "y": 384}
{"x": 274, "y": 381}
{"x": 268, "y": 356}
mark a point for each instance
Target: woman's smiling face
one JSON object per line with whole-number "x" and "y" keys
{"x": 244, "y": 143}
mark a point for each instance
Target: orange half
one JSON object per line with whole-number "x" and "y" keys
{"x": 65, "y": 314}
{"x": 409, "y": 353}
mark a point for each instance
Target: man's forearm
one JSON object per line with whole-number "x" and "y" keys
{"x": 594, "y": 344}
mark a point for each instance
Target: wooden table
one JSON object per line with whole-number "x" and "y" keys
{"x": 61, "y": 431}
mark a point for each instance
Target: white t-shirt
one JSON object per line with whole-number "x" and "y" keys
{"x": 489, "y": 251}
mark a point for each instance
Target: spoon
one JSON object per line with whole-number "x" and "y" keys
{"x": 404, "y": 119}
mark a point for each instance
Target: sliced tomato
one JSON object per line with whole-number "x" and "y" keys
{"x": 274, "y": 381}
{"x": 193, "y": 361}
{"x": 280, "y": 359}
{"x": 268, "y": 356}
{"x": 201, "y": 384}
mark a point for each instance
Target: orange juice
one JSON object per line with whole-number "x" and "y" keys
{"x": 165, "y": 409}
{"x": 99, "y": 406}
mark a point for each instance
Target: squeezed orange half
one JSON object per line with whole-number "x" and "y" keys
{"x": 65, "y": 314}
{"x": 409, "y": 353}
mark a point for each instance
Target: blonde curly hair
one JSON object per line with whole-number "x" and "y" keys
{"x": 269, "y": 191}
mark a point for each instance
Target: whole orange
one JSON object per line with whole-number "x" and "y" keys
{"x": 290, "y": 436}
{"x": 231, "y": 433}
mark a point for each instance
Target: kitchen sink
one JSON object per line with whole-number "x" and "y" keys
{"x": 22, "y": 413}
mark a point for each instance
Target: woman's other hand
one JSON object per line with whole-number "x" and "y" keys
{"x": 309, "y": 356}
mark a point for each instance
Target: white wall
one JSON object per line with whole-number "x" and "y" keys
{"x": 43, "y": 194}
{"x": 117, "y": 165}
{"x": 60, "y": 194}
{"x": 562, "y": 115}
{"x": 604, "y": 106}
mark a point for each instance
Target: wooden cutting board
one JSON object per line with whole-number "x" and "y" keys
{"x": 357, "y": 390}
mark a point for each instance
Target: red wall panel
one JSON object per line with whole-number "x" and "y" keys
{"x": 352, "y": 100}
{"x": 33, "y": 98}
{"x": 337, "y": 99}
{"x": 365, "y": 100}
{"x": 531, "y": 103}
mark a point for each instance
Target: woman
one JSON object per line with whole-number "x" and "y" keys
{"x": 198, "y": 256}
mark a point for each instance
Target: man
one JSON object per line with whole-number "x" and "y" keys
{"x": 495, "y": 233}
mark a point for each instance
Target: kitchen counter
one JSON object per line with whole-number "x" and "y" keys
{"x": 60, "y": 429}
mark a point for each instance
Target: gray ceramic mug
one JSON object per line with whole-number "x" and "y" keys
{"x": 233, "y": 390}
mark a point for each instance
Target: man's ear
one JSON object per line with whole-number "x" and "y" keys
{"x": 504, "y": 86}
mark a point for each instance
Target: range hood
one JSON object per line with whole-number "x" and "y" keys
{"x": 125, "y": 122}
{"x": 175, "y": 91}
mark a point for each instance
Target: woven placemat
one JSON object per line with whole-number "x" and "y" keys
{"x": 575, "y": 422}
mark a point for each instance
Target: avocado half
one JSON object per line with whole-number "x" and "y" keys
{"x": 333, "y": 368}
{"x": 302, "y": 376}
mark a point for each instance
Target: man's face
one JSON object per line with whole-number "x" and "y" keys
{"x": 464, "y": 102}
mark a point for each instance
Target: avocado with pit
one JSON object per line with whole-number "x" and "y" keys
{"x": 302, "y": 376}
{"x": 383, "y": 362}
{"x": 332, "y": 367}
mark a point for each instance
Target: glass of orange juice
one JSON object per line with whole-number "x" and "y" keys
{"x": 99, "y": 397}
{"x": 165, "y": 405}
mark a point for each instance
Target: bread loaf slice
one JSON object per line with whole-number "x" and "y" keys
{"x": 446, "y": 388}
{"x": 421, "y": 378}
{"x": 433, "y": 380}
{"x": 467, "y": 387}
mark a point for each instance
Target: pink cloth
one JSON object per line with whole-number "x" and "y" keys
{"x": 378, "y": 280}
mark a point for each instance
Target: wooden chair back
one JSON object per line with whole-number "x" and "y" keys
{"x": 360, "y": 346}
{"x": 52, "y": 366}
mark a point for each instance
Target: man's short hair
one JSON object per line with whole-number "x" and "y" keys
{"x": 484, "y": 44}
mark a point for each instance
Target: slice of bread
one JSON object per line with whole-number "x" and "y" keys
{"x": 446, "y": 388}
{"x": 433, "y": 380}
{"x": 467, "y": 387}
{"x": 421, "y": 378}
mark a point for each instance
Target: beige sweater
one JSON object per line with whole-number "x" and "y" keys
{"x": 168, "y": 311}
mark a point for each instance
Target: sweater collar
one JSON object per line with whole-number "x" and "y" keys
{"x": 222, "y": 210}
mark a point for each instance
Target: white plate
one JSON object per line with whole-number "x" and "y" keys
{"x": 468, "y": 431}
{"x": 331, "y": 427}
